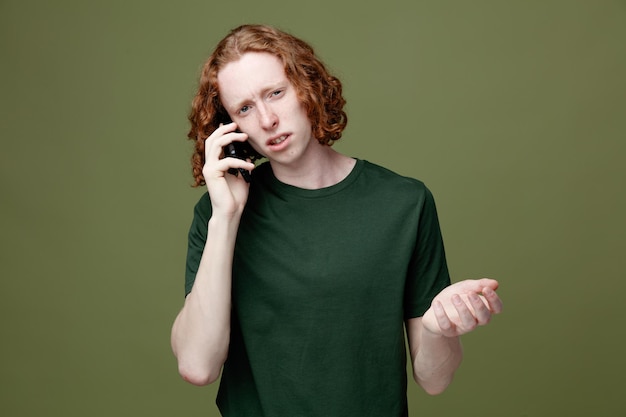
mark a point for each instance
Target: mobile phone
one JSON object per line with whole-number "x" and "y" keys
{"x": 239, "y": 150}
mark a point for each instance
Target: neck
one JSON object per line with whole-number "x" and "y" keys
{"x": 326, "y": 168}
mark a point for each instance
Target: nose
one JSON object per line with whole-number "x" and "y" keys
{"x": 267, "y": 117}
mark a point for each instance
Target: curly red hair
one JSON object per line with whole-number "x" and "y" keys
{"x": 319, "y": 92}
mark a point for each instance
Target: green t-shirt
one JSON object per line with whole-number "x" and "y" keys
{"x": 322, "y": 283}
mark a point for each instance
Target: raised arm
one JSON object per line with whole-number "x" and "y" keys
{"x": 201, "y": 331}
{"x": 434, "y": 339}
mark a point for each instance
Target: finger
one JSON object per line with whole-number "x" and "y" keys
{"x": 468, "y": 321}
{"x": 220, "y": 131}
{"x": 444, "y": 322}
{"x": 477, "y": 285}
{"x": 215, "y": 143}
{"x": 493, "y": 300}
{"x": 222, "y": 166}
{"x": 481, "y": 311}
{"x": 221, "y": 137}
{"x": 489, "y": 283}
{"x": 227, "y": 127}
{"x": 231, "y": 162}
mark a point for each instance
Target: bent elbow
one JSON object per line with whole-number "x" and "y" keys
{"x": 199, "y": 377}
{"x": 434, "y": 386}
{"x": 435, "y": 390}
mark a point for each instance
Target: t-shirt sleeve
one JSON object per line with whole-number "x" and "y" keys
{"x": 428, "y": 271}
{"x": 196, "y": 240}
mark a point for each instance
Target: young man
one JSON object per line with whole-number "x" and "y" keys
{"x": 301, "y": 282}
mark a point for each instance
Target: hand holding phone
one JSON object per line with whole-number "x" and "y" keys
{"x": 238, "y": 150}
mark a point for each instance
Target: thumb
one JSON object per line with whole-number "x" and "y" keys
{"x": 488, "y": 283}
{"x": 477, "y": 285}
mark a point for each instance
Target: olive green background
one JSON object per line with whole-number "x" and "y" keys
{"x": 512, "y": 112}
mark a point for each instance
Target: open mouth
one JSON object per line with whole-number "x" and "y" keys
{"x": 278, "y": 140}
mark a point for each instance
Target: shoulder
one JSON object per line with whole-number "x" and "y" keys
{"x": 387, "y": 181}
{"x": 202, "y": 209}
{"x": 204, "y": 201}
{"x": 386, "y": 174}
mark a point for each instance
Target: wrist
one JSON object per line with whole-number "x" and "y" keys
{"x": 431, "y": 333}
{"x": 223, "y": 224}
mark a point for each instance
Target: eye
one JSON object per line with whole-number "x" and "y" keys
{"x": 277, "y": 93}
{"x": 244, "y": 109}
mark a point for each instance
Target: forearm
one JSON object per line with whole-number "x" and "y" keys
{"x": 201, "y": 331}
{"x": 435, "y": 360}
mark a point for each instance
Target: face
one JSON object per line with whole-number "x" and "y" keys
{"x": 260, "y": 99}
